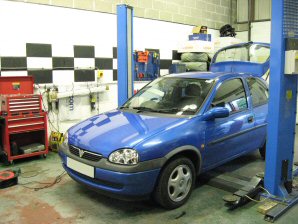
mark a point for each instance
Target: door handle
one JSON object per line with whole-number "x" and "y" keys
{"x": 250, "y": 119}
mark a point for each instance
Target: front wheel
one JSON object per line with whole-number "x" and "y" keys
{"x": 175, "y": 183}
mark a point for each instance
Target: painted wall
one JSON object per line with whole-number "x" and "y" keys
{"x": 262, "y": 10}
{"x": 213, "y": 13}
{"x": 261, "y": 31}
{"x": 242, "y": 35}
{"x": 62, "y": 46}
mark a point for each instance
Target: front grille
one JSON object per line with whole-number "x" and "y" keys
{"x": 74, "y": 150}
{"x": 84, "y": 154}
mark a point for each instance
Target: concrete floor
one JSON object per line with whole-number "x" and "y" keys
{"x": 69, "y": 202}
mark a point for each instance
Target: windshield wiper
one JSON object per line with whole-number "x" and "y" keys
{"x": 166, "y": 110}
{"x": 124, "y": 107}
{"x": 175, "y": 110}
{"x": 140, "y": 109}
{"x": 169, "y": 110}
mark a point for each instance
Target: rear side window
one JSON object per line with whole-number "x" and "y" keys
{"x": 258, "y": 91}
{"x": 231, "y": 94}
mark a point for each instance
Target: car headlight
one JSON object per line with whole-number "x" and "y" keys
{"x": 124, "y": 156}
{"x": 65, "y": 138}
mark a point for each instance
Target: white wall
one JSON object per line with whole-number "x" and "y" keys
{"x": 106, "y": 101}
{"x": 243, "y": 36}
{"x": 261, "y": 32}
{"x": 23, "y": 23}
{"x": 242, "y": 10}
{"x": 263, "y": 9}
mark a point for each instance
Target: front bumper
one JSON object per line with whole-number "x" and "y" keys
{"x": 115, "y": 180}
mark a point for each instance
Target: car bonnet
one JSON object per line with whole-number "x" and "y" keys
{"x": 118, "y": 129}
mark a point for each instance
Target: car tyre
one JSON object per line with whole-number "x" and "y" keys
{"x": 175, "y": 183}
{"x": 262, "y": 151}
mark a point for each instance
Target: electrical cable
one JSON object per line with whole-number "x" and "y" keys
{"x": 88, "y": 87}
{"x": 57, "y": 119}
{"x": 51, "y": 125}
{"x": 36, "y": 173}
{"x": 47, "y": 184}
{"x": 266, "y": 198}
{"x": 98, "y": 83}
{"x": 55, "y": 116}
{"x": 254, "y": 200}
{"x": 72, "y": 89}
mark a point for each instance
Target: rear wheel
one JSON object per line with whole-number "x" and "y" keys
{"x": 175, "y": 183}
{"x": 262, "y": 151}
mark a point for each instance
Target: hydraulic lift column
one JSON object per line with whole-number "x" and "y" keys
{"x": 125, "y": 52}
{"x": 282, "y": 102}
{"x": 282, "y": 106}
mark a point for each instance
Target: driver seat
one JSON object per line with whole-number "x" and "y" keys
{"x": 192, "y": 96}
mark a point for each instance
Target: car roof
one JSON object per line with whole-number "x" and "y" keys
{"x": 209, "y": 75}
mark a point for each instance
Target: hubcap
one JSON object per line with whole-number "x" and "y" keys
{"x": 179, "y": 183}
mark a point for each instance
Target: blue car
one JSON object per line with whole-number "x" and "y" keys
{"x": 175, "y": 128}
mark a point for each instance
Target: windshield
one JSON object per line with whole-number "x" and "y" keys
{"x": 250, "y": 53}
{"x": 180, "y": 96}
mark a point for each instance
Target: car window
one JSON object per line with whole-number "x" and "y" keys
{"x": 249, "y": 53}
{"x": 172, "y": 95}
{"x": 258, "y": 91}
{"x": 231, "y": 94}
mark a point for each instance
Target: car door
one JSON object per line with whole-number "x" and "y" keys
{"x": 259, "y": 95}
{"x": 228, "y": 137}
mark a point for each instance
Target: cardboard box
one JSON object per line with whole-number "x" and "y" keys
{"x": 200, "y": 29}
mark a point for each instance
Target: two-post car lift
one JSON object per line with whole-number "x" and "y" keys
{"x": 279, "y": 171}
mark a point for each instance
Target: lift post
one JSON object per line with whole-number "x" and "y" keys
{"x": 282, "y": 107}
{"x": 125, "y": 52}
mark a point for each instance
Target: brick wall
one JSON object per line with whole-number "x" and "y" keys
{"x": 213, "y": 13}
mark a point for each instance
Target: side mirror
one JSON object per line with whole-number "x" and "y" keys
{"x": 217, "y": 112}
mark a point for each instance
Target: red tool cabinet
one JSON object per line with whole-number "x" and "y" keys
{"x": 22, "y": 120}
{"x": 16, "y": 85}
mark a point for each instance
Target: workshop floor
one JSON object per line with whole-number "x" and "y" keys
{"x": 69, "y": 202}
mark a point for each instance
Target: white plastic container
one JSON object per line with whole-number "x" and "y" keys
{"x": 196, "y": 46}
{"x": 221, "y": 42}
